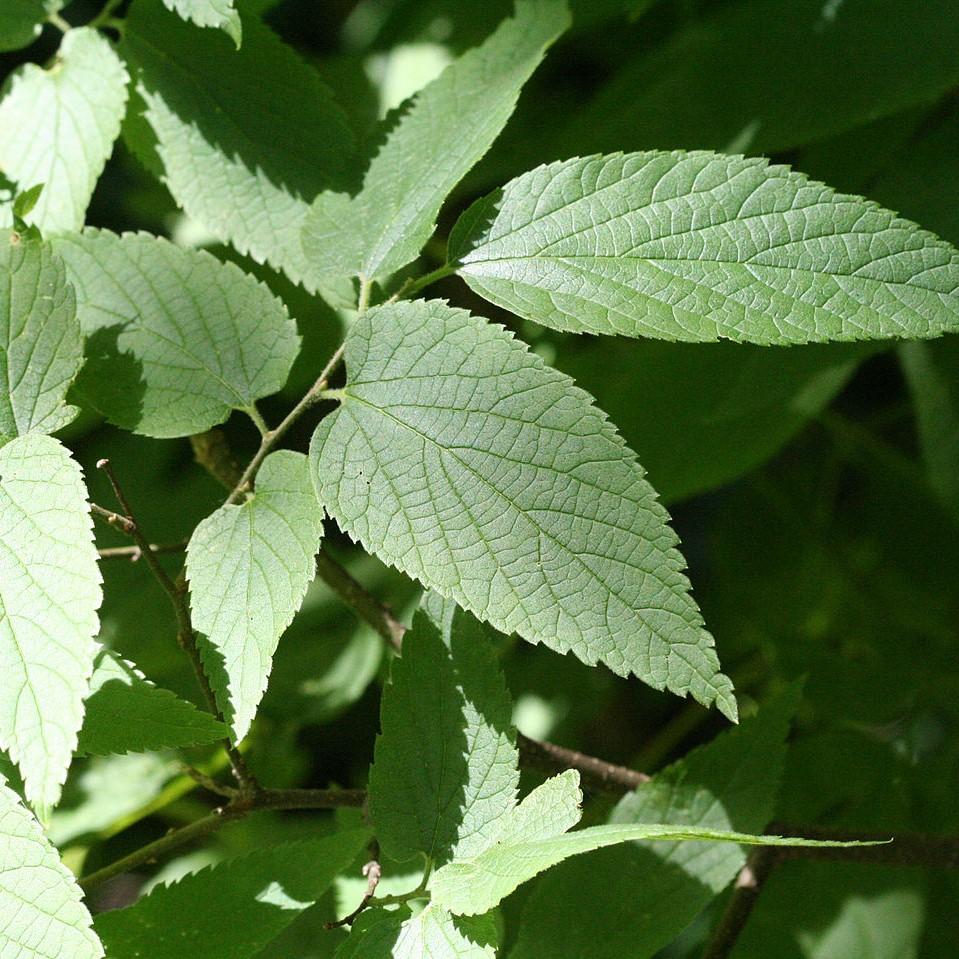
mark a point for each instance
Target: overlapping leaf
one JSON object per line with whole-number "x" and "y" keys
{"x": 210, "y": 13}
{"x": 699, "y": 246}
{"x": 125, "y": 713}
{"x": 49, "y": 595}
{"x": 249, "y": 567}
{"x": 175, "y": 338}
{"x": 432, "y": 934}
{"x": 446, "y": 764}
{"x": 40, "y": 344}
{"x": 247, "y": 138}
{"x": 232, "y": 910}
{"x": 22, "y": 20}
{"x": 57, "y": 127}
{"x": 41, "y": 911}
{"x": 460, "y": 458}
{"x": 449, "y": 126}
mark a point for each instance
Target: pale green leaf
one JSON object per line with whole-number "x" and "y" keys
{"x": 175, "y": 338}
{"x": 49, "y": 595}
{"x": 125, "y": 713}
{"x": 42, "y": 915}
{"x": 57, "y": 127}
{"x": 210, "y": 13}
{"x": 699, "y": 246}
{"x": 432, "y": 934}
{"x": 249, "y": 567}
{"x": 40, "y": 344}
{"x": 445, "y": 767}
{"x": 460, "y": 458}
{"x": 22, "y": 20}
{"x": 451, "y": 123}
{"x": 231, "y": 910}
{"x": 534, "y": 837}
{"x": 730, "y": 783}
{"x": 247, "y": 138}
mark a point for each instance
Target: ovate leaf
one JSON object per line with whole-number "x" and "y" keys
{"x": 534, "y": 837}
{"x": 446, "y": 764}
{"x": 449, "y": 126}
{"x": 175, "y": 338}
{"x": 210, "y": 13}
{"x": 459, "y": 457}
{"x": 49, "y": 595}
{"x": 42, "y": 914}
{"x": 247, "y": 137}
{"x": 698, "y": 246}
{"x": 432, "y": 934}
{"x": 57, "y": 126}
{"x": 730, "y": 783}
{"x": 249, "y": 567}
{"x": 126, "y": 713}
{"x": 40, "y": 344}
{"x": 232, "y": 910}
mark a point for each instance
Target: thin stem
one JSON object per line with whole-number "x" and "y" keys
{"x": 373, "y": 872}
{"x": 134, "y": 553}
{"x": 114, "y": 519}
{"x": 62, "y": 25}
{"x": 447, "y": 269}
{"x": 258, "y": 420}
{"x": 746, "y": 890}
{"x": 104, "y": 17}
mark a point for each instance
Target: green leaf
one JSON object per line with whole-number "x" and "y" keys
{"x": 126, "y": 713}
{"x": 58, "y": 126}
{"x": 247, "y": 137}
{"x": 448, "y": 127}
{"x": 534, "y": 837}
{"x": 22, "y": 20}
{"x": 41, "y": 909}
{"x": 234, "y": 909}
{"x": 698, "y": 246}
{"x": 175, "y": 338}
{"x": 730, "y": 783}
{"x": 49, "y": 595}
{"x": 40, "y": 344}
{"x": 210, "y": 13}
{"x": 432, "y": 934}
{"x": 249, "y": 567}
{"x": 460, "y": 458}
{"x": 446, "y": 764}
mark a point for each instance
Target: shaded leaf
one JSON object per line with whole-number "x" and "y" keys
{"x": 22, "y": 20}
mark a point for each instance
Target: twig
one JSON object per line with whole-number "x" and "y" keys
{"x": 59, "y": 22}
{"x": 134, "y": 553}
{"x": 746, "y": 891}
{"x": 237, "y": 808}
{"x": 373, "y": 872}
{"x": 114, "y": 519}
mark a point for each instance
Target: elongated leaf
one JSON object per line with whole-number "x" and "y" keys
{"x": 175, "y": 338}
{"x": 40, "y": 344}
{"x": 126, "y": 713}
{"x": 49, "y": 595}
{"x": 534, "y": 837}
{"x": 57, "y": 127}
{"x": 232, "y": 910}
{"x": 432, "y": 934}
{"x": 247, "y": 138}
{"x": 698, "y": 246}
{"x": 463, "y": 460}
{"x": 210, "y": 13}
{"x": 730, "y": 783}
{"x": 22, "y": 20}
{"x": 41, "y": 910}
{"x": 450, "y": 125}
{"x": 446, "y": 764}
{"x": 249, "y": 567}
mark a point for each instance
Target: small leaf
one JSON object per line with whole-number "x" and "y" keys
{"x": 210, "y": 13}
{"x": 41, "y": 908}
{"x": 40, "y": 344}
{"x": 26, "y": 201}
{"x": 446, "y": 764}
{"x": 49, "y": 595}
{"x": 534, "y": 837}
{"x": 699, "y": 247}
{"x": 461, "y": 459}
{"x": 126, "y": 713}
{"x": 249, "y": 568}
{"x": 175, "y": 338}
{"x": 57, "y": 126}
{"x": 247, "y": 137}
{"x": 450, "y": 124}
{"x": 231, "y": 910}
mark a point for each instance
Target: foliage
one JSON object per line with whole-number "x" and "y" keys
{"x": 350, "y": 326}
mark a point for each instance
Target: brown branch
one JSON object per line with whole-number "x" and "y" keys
{"x": 134, "y": 553}
{"x": 373, "y": 872}
{"x": 237, "y": 808}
